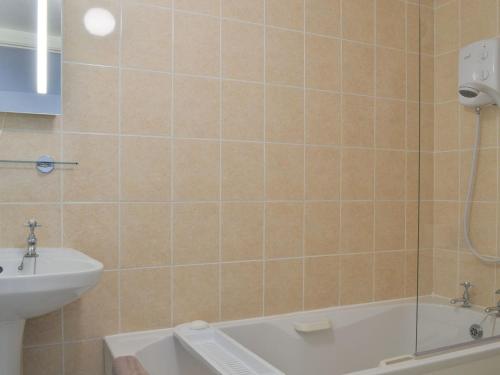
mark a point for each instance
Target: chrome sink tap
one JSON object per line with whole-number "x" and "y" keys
{"x": 466, "y": 299}
{"x": 32, "y": 242}
{"x": 494, "y": 309}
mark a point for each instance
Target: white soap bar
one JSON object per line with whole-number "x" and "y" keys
{"x": 199, "y": 325}
{"x": 319, "y": 325}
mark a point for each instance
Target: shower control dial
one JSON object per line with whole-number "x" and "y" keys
{"x": 483, "y": 76}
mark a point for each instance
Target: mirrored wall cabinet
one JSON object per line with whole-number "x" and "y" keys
{"x": 30, "y": 56}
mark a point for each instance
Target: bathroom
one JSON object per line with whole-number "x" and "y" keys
{"x": 295, "y": 166}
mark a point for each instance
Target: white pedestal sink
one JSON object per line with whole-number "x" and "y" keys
{"x": 60, "y": 277}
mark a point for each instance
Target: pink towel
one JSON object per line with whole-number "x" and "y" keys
{"x": 128, "y": 365}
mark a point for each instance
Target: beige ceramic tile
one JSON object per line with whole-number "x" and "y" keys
{"x": 84, "y": 358}
{"x": 389, "y": 175}
{"x": 242, "y": 51}
{"x": 284, "y": 57}
{"x": 390, "y": 124}
{"x": 242, "y": 111}
{"x": 284, "y": 229}
{"x": 322, "y": 173}
{"x": 196, "y": 293}
{"x": 145, "y": 235}
{"x": 358, "y": 68}
{"x": 358, "y": 20}
{"x": 321, "y": 282}
{"x": 79, "y": 44}
{"x": 31, "y": 122}
{"x": 389, "y": 226}
{"x": 145, "y": 169}
{"x": 146, "y": 103}
{"x": 390, "y": 73}
{"x": 486, "y": 180}
{"x": 390, "y": 27}
{"x": 356, "y": 230}
{"x": 101, "y": 221}
{"x": 196, "y": 107}
{"x": 445, "y": 273}
{"x": 196, "y": 233}
{"x": 90, "y": 98}
{"x": 197, "y": 44}
{"x": 241, "y": 290}
{"x": 446, "y": 77}
{"x": 284, "y": 172}
{"x": 478, "y": 20}
{"x": 483, "y": 228}
{"x": 283, "y": 286}
{"x": 44, "y": 360}
{"x": 95, "y": 314}
{"x": 389, "y": 271}
{"x": 13, "y": 218}
{"x": 357, "y": 120}
{"x": 357, "y": 174}
{"x": 145, "y": 299}
{"x": 323, "y": 17}
{"x": 285, "y": 13}
{"x": 420, "y": 23}
{"x": 284, "y": 114}
{"x": 447, "y": 166}
{"x": 446, "y": 224}
{"x": 356, "y": 279}
{"x": 323, "y": 113}
{"x": 447, "y": 131}
{"x": 426, "y": 224}
{"x": 211, "y": 7}
{"x": 147, "y": 38}
{"x": 425, "y": 279}
{"x": 447, "y": 27}
{"x": 43, "y": 330}
{"x": 196, "y": 170}
{"x": 22, "y": 183}
{"x": 251, "y": 11}
{"x": 322, "y": 228}
{"x": 242, "y": 231}
{"x": 322, "y": 63}
{"x": 242, "y": 171}
{"x": 95, "y": 179}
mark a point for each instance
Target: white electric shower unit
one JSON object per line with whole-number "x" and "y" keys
{"x": 479, "y": 86}
{"x": 479, "y": 78}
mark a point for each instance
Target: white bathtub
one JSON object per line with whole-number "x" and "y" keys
{"x": 361, "y": 337}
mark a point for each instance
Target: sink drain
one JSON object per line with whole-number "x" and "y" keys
{"x": 476, "y": 331}
{"x": 1, "y": 269}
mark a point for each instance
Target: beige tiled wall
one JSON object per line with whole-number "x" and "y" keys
{"x": 458, "y": 23}
{"x": 237, "y": 158}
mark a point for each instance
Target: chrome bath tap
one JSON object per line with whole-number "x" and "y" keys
{"x": 466, "y": 299}
{"x": 494, "y": 309}
{"x": 32, "y": 242}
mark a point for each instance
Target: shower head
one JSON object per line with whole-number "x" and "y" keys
{"x": 468, "y": 92}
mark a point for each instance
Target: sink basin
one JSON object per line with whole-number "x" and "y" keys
{"x": 54, "y": 279}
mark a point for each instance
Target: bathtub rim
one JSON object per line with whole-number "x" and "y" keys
{"x": 132, "y": 343}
